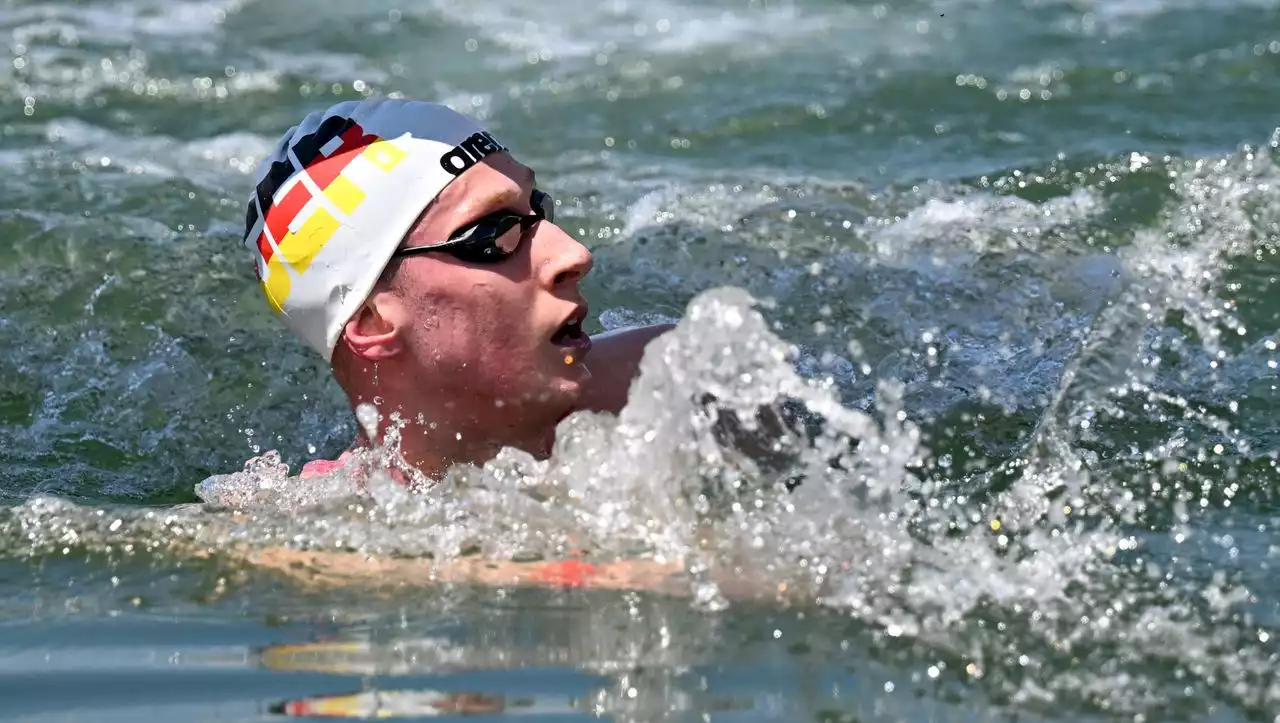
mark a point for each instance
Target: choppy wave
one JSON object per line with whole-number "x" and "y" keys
{"x": 1106, "y": 383}
{"x": 1007, "y": 291}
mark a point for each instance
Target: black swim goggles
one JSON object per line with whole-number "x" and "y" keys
{"x": 489, "y": 240}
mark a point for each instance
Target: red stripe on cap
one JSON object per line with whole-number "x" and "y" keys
{"x": 324, "y": 170}
{"x": 282, "y": 214}
{"x": 355, "y": 137}
{"x": 265, "y": 248}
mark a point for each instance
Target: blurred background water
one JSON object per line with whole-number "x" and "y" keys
{"x": 1020, "y": 258}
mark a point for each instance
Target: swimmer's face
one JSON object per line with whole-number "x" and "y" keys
{"x": 486, "y": 334}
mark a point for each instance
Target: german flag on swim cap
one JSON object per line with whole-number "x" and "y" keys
{"x": 336, "y": 196}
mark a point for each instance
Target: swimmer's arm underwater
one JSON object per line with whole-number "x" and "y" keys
{"x": 325, "y": 569}
{"x": 342, "y": 569}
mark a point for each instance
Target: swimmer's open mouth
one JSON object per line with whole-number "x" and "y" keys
{"x": 570, "y": 334}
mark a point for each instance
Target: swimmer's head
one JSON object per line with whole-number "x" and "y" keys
{"x": 338, "y": 221}
{"x": 337, "y": 194}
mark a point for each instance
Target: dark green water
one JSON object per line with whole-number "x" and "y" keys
{"x": 1051, "y": 228}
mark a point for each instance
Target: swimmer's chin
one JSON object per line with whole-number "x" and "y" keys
{"x": 580, "y": 397}
{"x": 575, "y": 381}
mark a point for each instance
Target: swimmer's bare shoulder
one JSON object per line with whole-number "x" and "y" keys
{"x": 614, "y": 362}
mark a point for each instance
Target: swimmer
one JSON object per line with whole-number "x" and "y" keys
{"x": 412, "y": 251}
{"x": 421, "y": 260}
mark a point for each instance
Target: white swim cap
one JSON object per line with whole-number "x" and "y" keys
{"x": 337, "y": 195}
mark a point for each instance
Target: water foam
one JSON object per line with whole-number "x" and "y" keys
{"x": 1047, "y": 550}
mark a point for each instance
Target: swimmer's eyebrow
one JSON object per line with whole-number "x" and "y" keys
{"x": 503, "y": 198}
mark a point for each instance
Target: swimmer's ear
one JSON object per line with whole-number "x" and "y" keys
{"x": 375, "y": 331}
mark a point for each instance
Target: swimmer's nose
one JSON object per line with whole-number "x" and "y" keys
{"x": 561, "y": 259}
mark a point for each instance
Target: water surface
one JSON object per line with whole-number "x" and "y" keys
{"x": 1016, "y": 261}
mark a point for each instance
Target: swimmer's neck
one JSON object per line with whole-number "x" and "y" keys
{"x": 456, "y": 439}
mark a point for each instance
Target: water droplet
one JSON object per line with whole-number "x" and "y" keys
{"x": 368, "y": 417}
